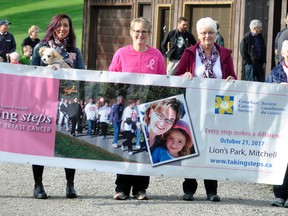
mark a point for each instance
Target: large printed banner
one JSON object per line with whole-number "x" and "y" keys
{"x": 199, "y": 128}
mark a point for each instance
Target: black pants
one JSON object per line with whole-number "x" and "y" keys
{"x": 74, "y": 121}
{"x": 190, "y": 186}
{"x": 128, "y": 142}
{"x": 281, "y": 191}
{"x": 104, "y": 128}
{"x": 38, "y": 173}
{"x": 126, "y": 182}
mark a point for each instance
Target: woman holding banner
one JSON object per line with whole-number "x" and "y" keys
{"x": 59, "y": 35}
{"x": 136, "y": 58}
{"x": 279, "y": 74}
{"x": 205, "y": 59}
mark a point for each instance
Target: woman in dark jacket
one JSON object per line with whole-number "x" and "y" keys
{"x": 279, "y": 75}
{"x": 60, "y": 36}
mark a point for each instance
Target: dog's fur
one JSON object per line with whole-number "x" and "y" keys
{"x": 52, "y": 58}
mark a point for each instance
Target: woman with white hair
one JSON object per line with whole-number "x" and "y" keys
{"x": 205, "y": 60}
{"x": 279, "y": 74}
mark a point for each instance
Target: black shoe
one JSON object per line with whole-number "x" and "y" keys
{"x": 39, "y": 192}
{"x": 213, "y": 197}
{"x": 188, "y": 197}
{"x": 70, "y": 191}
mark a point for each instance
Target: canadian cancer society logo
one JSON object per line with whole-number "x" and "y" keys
{"x": 224, "y": 104}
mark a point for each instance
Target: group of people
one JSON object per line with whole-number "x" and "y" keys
{"x": 8, "y": 44}
{"x": 77, "y": 115}
{"x": 187, "y": 58}
{"x": 205, "y": 59}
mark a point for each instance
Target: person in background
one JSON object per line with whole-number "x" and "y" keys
{"x": 79, "y": 125}
{"x": 91, "y": 112}
{"x": 63, "y": 115}
{"x": 13, "y": 58}
{"x": 59, "y": 35}
{"x": 219, "y": 39}
{"x": 74, "y": 113}
{"x": 7, "y": 40}
{"x": 280, "y": 38}
{"x": 179, "y": 40}
{"x": 147, "y": 60}
{"x": 253, "y": 52}
{"x": 138, "y": 130}
{"x": 104, "y": 114}
{"x": 97, "y": 125}
{"x": 129, "y": 118}
{"x": 32, "y": 40}
{"x": 205, "y": 60}
{"x": 279, "y": 75}
{"x": 115, "y": 119}
{"x": 26, "y": 57}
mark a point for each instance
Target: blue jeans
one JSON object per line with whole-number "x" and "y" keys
{"x": 116, "y": 126}
{"x": 137, "y": 134}
{"x": 90, "y": 126}
{"x": 255, "y": 71}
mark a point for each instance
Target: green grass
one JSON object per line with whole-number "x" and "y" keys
{"x": 24, "y": 13}
{"x": 67, "y": 146}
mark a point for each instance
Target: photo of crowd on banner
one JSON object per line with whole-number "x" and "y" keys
{"x": 168, "y": 130}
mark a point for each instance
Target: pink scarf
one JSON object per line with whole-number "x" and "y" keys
{"x": 208, "y": 63}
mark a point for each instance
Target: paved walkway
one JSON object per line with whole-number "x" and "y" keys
{"x": 96, "y": 189}
{"x": 106, "y": 144}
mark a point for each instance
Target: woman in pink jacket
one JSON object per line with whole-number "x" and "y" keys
{"x": 136, "y": 58}
{"x": 205, "y": 59}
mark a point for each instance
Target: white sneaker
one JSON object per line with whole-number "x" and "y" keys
{"x": 120, "y": 196}
{"x": 123, "y": 147}
{"x": 141, "y": 196}
{"x": 137, "y": 147}
{"x": 130, "y": 153}
{"x": 115, "y": 145}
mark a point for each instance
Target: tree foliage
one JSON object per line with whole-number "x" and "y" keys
{"x": 110, "y": 91}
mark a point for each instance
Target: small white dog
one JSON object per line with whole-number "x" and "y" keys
{"x": 52, "y": 58}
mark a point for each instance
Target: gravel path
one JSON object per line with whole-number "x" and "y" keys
{"x": 96, "y": 189}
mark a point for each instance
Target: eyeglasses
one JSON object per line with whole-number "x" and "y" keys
{"x": 161, "y": 117}
{"x": 209, "y": 33}
{"x": 137, "y": 32}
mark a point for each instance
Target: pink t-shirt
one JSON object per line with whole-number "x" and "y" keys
{"x": 126, "y": 59}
